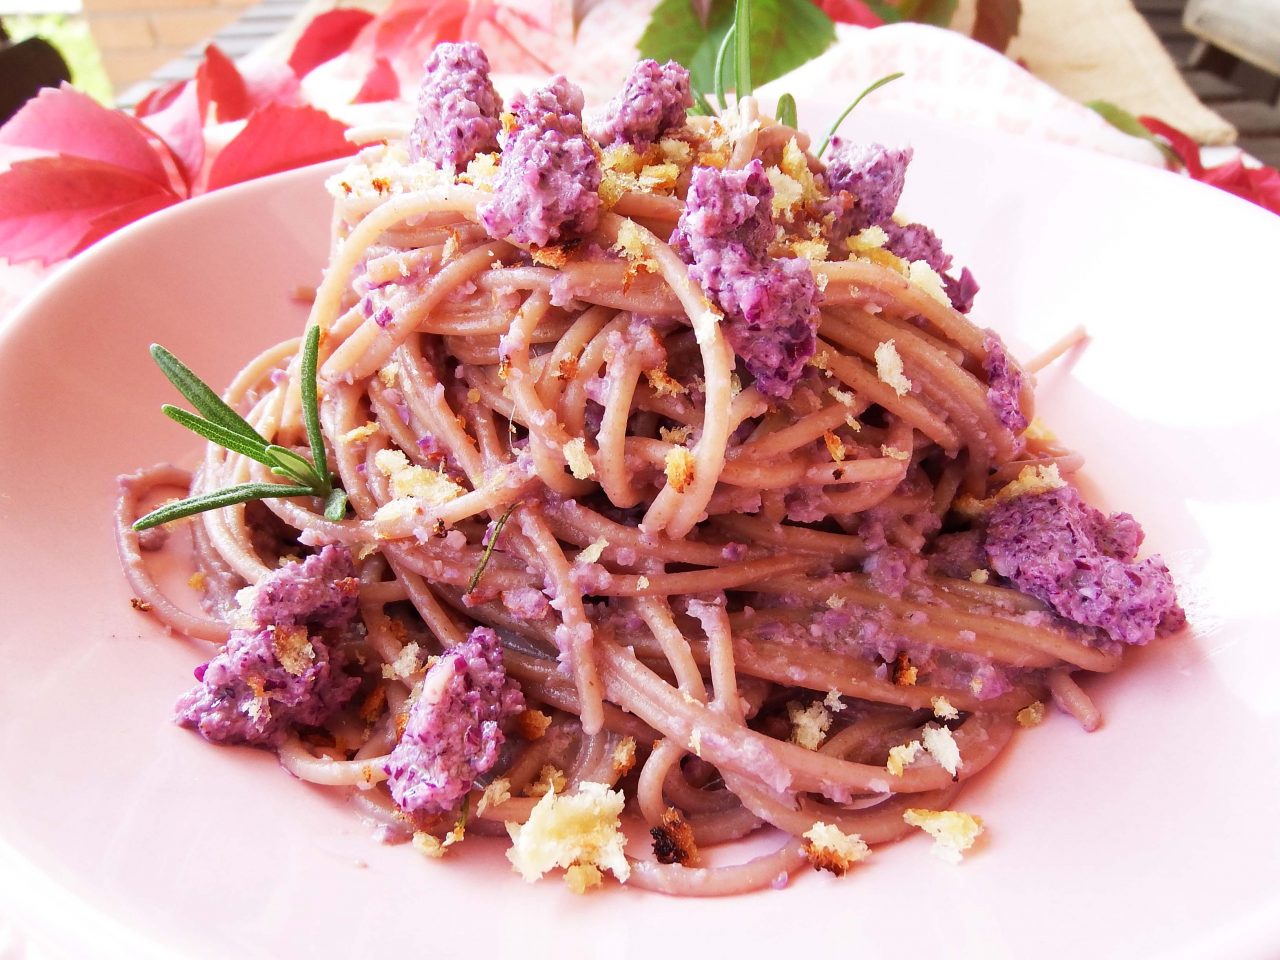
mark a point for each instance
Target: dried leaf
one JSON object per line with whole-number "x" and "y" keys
{"x": 380, "y": 83}
{"x": 52, "y": 207}
{"x": 325, "y": 37}
{"x": 997, "y": 22}
{"x": 64, "y": 121}
{"x": 279, "y": 138}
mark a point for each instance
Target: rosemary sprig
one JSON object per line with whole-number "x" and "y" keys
{"x": 786, "y": 112}
{"x": 718, "y": 71}
{"x": 488, "y": 548}
{"x": 826, "y": 141}
{"x": 217, "y": 422}
{"x": 742, "y": 46}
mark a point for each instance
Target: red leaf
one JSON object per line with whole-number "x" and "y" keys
{"x": 381, "y": 83}
{"x": 851, "y": 11}
{"x": 271, "y": 82}
{"x": 51, "y": 205}
{"x": 63, "y": 120}
{"x": 181, "y": 127}
{"x": 279, "y": 138}
{"x": 159, "y": 98}
{"x": 218, "y": 81}
{"x": 1188, "y": 150}
{"x": 997, "y": 23}
{"x": 325, "y": 37}
{"x": 113, "y": 220}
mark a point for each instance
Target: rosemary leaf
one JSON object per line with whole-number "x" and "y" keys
{"x": 742, "y": 67}
{"x": 335, "y": 505}
{"x": 289, "y": 464}
{"x": 210, "y": 405}
{"x": 488, "y": 548}
{"x": 719, "y": 67}
{"x": 223, "y": 437}
{"x": 786, "y": 112}
{"x": 826, "y": 141}
{"x": 311, "y": 408}
{"x": 240, "y": 493}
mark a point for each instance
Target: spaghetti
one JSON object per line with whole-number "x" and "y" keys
{"x": 675, "y": 473}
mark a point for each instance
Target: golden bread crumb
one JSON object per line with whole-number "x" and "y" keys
{"x": 679, "y": 468}
{"x": 923, "y": 276}
{"x": 981, "y": 575}
{"x": 942, "y": 746}
{"x": 900, "y": 757}
{"x": 292, "y": 647}
{"x": 550, "y": 780}
{"x": 943, "y": 710}
{"x": 357, "y": 434}
{"x": 575, "y": 454}
{"x": 809, "y": 724}
{"x": 1031, "y": 714}
{"x": 581, "y": 877}
{"x": 624, "y": 756}
{"x": 673, "y": 839}
{"x": 889, "y": 368}
{"x": 581, "y": 828}
{"x": 592, "y": 551}
{"x": 532, "y": 724}
{"x": 495, "y": 794}
{"x": 828, "y": 848}
{"x": 953, "y": 832}
{"x": 835, "y": 446}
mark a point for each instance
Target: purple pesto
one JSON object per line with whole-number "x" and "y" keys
{"x": 454, "y": 731}
{"x": 961, "y": 290}
{"x": 653, "y": 101}
{"x": 1057, "y": 548}
{"x": 871, "y": 176}
{"x": 915, "y": 241}
{"x": 546, "y": 186}
{"x": 278, "y": 670}
{"x": 458, "y": 108}
{"x": 1004, "y": 383}
{"x": 770, "y": 305}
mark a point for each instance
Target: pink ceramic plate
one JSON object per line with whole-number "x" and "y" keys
{"x": 121, "y": 834}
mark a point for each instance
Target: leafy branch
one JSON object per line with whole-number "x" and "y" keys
{"x": 218, "y": 423}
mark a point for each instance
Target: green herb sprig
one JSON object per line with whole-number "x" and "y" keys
{"x": 489, "y": 547}
{"x": 217, "y": 422}
{"x": 826, "y": 141}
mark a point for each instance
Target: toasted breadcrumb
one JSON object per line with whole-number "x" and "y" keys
{"x": 835, "y": 601}
{"x": 841, "y": 396}
{"x": 893, "y": 453}
{"x": 679, "y": 468}
{"x": 452, "y": 246}
{"x": 428, "y": 845}
{"x": 695, "y": 742}
{"x": 642, "y": 582}
{"x": 1031, "y": 714}
{"x": 673, "y": 839}
{"x": 389, "y": 373}
{"x": 788, "y": 194}
{"x": 833, "y": 702}
{"x": 901, "y": 756}
{"x": 196, "y": 580}
{"x": 581, "y": 877}
{"x": 481, "y": 172}
{"x": 676, "y": 435}
{"x": 835, "y": 446}
{"x": 953, "y": 832}
{"x": 405, "y": 664}
{"x": 550, "y": 780}
{"x": 942, "y": 746}
{"x": 532, "y": 724}
{"x": 415, "y": 482}
{"x": 663, "y": 384}
{"x": 820, "y": 360}
{"x": 578, "y": 829}
{"x": 495, "y": 794}
{"x": 554, "y": 257}
{"x": 575, "y": 454}
{"x": 624, "y": 756}
{"x": 631, "y": 241}
{"x": 592, "y": 551}
{"x": 943, "y": 710}
{"x": 357, "y": 434}
{"x": 292, "y": 647}
{"x": 796, "y": 166}
{"x": 921, "y": 275}
{"x": 675, "y": 151}
{"x": 872, "y": 238}
{"x": 981, "y": 575}
{"x": 1036, "y": 430}
{"x": 889, "y": 367}
{"x": 809, "y": 724}
{"x": 905, "y": 672}
{"x": 830, "y": 849}
{"x": 1037, "y": 478}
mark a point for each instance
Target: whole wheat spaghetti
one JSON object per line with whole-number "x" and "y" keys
{"x": 678, "y": 480}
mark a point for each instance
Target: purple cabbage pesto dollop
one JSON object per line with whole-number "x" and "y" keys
{"x": 1004, "y": 381}
{"x": 546, "y": 188}
{"x": 278, "y": 671}
{"x": 865, "y": 182}
{"x": 1057, "y": 548}
{"x": 654, "y": 100}
{"x": 770, "y": 305}
{"x": 454, "y": 731}
{"x": 458, "y": 108}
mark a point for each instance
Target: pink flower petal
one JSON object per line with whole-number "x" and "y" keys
{"x": 381, "y": 83}
{"x": 325, "y": 37}
{"x": 180, "y": 127}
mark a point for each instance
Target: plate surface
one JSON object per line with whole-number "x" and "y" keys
{"x": 122, "y": 835}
